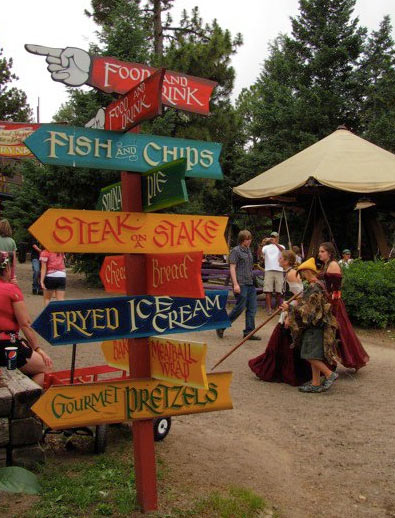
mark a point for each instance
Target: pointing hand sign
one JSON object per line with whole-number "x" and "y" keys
{"x": 69, "y": 66}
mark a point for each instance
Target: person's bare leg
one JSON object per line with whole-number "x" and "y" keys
{"x": 321, "y": 367}
{"x": 316, "y": 380}
{"x": 47, "y": 296}
{"x": 35, "y": 368}
{"x": 268, "y": 302}
{"x": 59, "y": 294}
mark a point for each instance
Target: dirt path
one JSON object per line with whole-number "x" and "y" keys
{"x": 330, "y": 455}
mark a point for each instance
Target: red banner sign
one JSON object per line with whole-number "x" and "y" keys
{"x": 112, "y": 274}
{"x": 143, "y": 102}
{"x": 12, "y": 135}
{"x": 179, "y": 90}
{"x": 178, "y": 275}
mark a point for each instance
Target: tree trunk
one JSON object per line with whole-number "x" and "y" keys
{"x": 158, "y": 32}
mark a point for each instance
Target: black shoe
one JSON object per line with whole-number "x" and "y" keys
{"x": 253, "y": 337}
{"x": 40, "y": 292}
{"x": 220, "y": 333}
{"x": 34, "y": 291}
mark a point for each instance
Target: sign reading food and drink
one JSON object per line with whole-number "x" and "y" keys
{"x": 164, "y": 186}
{"x": 89, "y": 404}
{"x": 110, "y": 198}
{"x": 92, "y": 320}
{"x": 12, "y": 135}
{"x": 178, "y": 361}
{"x": 91, "y": 231}
{"x": 143, "y": 102}
{"x": 74, "y": 146}
{"x": 75, "y": 67}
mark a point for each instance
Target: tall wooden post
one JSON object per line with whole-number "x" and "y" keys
{"x": 139, "y": 360}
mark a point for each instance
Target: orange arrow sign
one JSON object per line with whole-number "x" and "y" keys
{"x": 90, "y": 231}
{"x": 68, "y": 406}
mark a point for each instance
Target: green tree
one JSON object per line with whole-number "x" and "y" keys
{"x": 13, "y": 101}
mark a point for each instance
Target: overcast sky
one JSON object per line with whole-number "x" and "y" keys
{"x": 63, "y": 23}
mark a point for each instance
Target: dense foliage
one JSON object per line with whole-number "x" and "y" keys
{"x": 13, "y": 101}
{"x": 368, "y": 292}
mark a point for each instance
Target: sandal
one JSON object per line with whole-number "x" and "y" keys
{"x": 312, "y": 389}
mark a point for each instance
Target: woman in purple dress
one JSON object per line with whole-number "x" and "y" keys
{"x": 280, "y": 362}
{"x": 352, "y": 354}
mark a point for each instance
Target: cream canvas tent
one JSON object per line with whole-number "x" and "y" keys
{"x": 341, "y": 161}
{"x": 341, "y": 168}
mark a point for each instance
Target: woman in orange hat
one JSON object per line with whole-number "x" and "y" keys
{"x": 313, "y": 329}
{"x": 352, "y": 354}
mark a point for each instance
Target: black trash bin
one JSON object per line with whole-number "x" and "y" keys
{"x": 22, "y": 251}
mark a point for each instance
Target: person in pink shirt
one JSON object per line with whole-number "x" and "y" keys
{"x": 14, "y": 319}
{"x": 53, "y": 275}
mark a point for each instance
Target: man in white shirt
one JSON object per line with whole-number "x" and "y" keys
{"x": 274, "y": 275}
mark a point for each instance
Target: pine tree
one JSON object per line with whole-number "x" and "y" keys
{"x": 13, "y": 101}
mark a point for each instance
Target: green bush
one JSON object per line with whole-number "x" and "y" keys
{"x": 368, "y": 293}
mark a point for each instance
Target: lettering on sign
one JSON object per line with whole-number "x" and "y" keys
{"x": 116, "y": 353}
{"x": 113, "y": 274}
{"x": 142, "y": 103}
{"x": 88, "y": 404}
{"x": 110, "y": 198}
{"x": 90, "y": 320}
{"x": 178, "y": 361}
{"x": 86, "y": 147}
{"x": 63, "y": 230}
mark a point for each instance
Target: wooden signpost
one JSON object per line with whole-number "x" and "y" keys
{"x": 85, "y": 147}
{"x": 143, "y": 102}
{"x": 110, "y": 198}
{"x": 178, "y": 361}
{"x": 177, "y": 275}
{"x": 93, "y": 320}
{"x": 91, "y": 231}
{"x": 68, "y": 406}
{"x": 181, "y": 91}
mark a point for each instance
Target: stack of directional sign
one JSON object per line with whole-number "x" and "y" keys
{"x": 173, "y": 246}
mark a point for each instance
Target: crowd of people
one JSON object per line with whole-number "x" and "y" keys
{"x": 314, "y": 333}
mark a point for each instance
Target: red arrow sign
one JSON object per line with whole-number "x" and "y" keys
{"x": 143, "y": 102}
{"x": 176, "y": 275}
{"x": 179, "y": 90}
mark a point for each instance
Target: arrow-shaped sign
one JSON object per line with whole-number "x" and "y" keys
{"x": 92, "y": 231}
{"x": 143, "y": 102}
{"x": 164, "y": 186}
{"x": 92, "y": 320}
{"x": 89, "y": 404}
{"x": 85, "y": 147}
{"x": 110, "y": 198}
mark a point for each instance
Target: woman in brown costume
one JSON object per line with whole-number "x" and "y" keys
{"x": 352, "y": 354}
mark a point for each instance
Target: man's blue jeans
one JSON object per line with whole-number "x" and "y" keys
{"x": 36, "y": 274}
{"x": 246, "y": 299}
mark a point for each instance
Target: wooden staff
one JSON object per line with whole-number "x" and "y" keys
{"x": 254, "y": 331}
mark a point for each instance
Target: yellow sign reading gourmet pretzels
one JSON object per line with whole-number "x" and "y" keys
{"x": 67, "y": 406}
{"x": 64, "y": 230}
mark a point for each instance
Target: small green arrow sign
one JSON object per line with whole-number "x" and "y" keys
{"x": 164, "y": 186}
{"x": 110, "y": 198}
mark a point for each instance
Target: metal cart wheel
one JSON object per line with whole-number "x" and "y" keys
{"x": 162, "y": 427}
{"x": 100, "y": 438}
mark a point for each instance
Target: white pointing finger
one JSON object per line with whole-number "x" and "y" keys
{"x": 55, "y": 68}
{"x": 51, "y": 59}
{"x": 60, "y": 76}
{"x": 43, "y": 51}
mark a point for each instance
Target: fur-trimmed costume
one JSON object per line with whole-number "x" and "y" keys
{"x": 313, "y": 326}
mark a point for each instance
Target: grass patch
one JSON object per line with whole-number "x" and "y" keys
{"x": 237, "y": 503}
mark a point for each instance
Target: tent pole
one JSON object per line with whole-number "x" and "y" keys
{"x": 359, "y": 232}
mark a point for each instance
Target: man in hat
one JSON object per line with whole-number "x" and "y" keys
{"x": 346, "y": 260}
{"x": 313, "y": 329}
{"x": 274, "y": 274}
{"x": 241, "y": 265}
